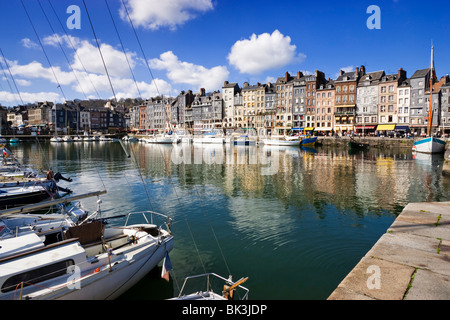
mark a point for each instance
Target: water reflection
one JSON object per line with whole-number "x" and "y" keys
{"x": 311, "y": 213}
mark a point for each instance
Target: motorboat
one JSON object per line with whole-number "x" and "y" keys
{"x": 85, "y": 260}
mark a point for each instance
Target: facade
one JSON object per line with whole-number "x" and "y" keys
{"x": 298, "y": 101}
{"x": 325, "y": 100}
{"x": 229, "y": 90}
{"x": 420, "y": 83}
{"x": 367, "y": 103}
{"x": 312, "y": 82}
{"x": 156, "y": 115}
{"x": 445, "y": 108}
{"x": 387, "y": 112}
{"x": 270, "y": 97}
{"x": 346, "y": 90}
{"x": 283, "y": 112}
{"x": 403, "y": 105}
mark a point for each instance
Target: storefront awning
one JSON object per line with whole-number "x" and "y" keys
{"x": 365, "y": 127}
{"x": 309, "y": 129}
{"x": 402, "y": 128}
{"x": 382, "y": 127}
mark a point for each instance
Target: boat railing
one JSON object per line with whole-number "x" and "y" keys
{"x": 152, "y": 217}
{"x": 209, "y": 283}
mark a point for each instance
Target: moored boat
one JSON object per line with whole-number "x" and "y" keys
{"x": 83, "y": 260}
{"x": 429, "y": 145}
{"x": 308, "y": 141}
{"x": 354, "y": 145}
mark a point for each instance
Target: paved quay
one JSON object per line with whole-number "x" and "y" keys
{"x": 411, "y": 261}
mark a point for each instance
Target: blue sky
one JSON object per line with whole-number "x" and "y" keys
{"x": 190, "y": 44}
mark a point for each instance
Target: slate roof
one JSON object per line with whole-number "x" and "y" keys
{"x": 420, "y": 73}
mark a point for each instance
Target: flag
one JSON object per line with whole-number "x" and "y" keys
{"x": 6, "y": 152}
{"x": 167, "y": 266}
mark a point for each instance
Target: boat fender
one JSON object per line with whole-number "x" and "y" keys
{"x": 132, "y": 239}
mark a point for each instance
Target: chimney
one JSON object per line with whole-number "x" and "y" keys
{"x": 202, "y": 92}
{"x": 341, "y": 72}
{"x": 245, "y": 84}
{"x": 401, "y": 74}
{"x": 287, "y": 76}
{"x": 299, "y": 74}
{"x": 225, "y": 83}
{"x": 362, "y": 69}
{"x": 357, "y": 72}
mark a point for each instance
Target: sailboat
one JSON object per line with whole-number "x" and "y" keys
{"x": 430, "y": 144}
{"x": 49, "y": 257}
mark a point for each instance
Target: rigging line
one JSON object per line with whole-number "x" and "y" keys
{"x": 123, "y": 49}
{"x": 100, "y": 51}
{"x": 60, "y": 46}
{"x": 45, "y": 53}
{"x": 140, "y": 46}
{"x": 6, "y": 77}
{"x": 15, "y": 85}
{"x": 183, "y": 212}
{"x": 73, "y": 48}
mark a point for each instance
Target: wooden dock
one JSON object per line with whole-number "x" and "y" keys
{"x": 411, "y": 261}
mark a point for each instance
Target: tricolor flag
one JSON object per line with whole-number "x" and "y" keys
{"x": 6, "y": 152}
{"x": 167, "y": 266}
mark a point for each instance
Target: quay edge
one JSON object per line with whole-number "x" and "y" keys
{"x": 446, "y": 165}
{"x": 411, "y": 261}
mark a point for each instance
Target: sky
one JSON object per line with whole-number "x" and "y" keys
{"x": 49, "y": 49}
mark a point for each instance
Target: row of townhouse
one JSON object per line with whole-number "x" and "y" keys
{"x": 69, "y": 117}
{"x": 355, "y": 101}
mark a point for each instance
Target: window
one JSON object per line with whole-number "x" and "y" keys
{"x": 391, "y": 88}
{"x": 352, "y": 88}
{"x": 383, "y": 89}
{"x": 37, "y": 275}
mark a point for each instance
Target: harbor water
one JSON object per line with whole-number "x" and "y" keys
{"x": 295, "y": 221}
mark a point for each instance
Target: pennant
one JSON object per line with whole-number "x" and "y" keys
{"x": 167, "y": 266}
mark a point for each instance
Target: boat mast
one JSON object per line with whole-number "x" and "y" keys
{"x": 432, "y": 76}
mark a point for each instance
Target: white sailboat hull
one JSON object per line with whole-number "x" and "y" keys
{"x": 429, "y": 145}
{"x": 276, "y": 142}
{"x": 211, "y": 140}
{"x": 107, "y": 285}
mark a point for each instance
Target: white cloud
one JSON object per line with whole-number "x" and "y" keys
{"x": 189, "y": 73}
{"x": 115, "y": 60}
{"x": 28, "y": 43}
{"x": 88, "y": 83}
{"x": 29, "y": 97}
{"x": 154, "y": 14}
{"x": 345, "y": 69}
{"x": 22, "y": 82}
{"x": 35, "y": 70}
{"x": 263, "y": 52}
